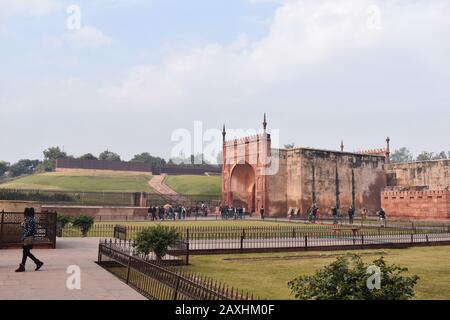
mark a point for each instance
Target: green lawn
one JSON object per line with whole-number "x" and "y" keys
{"x": 267, "y": 276}
{"x": 84, "y": 181}
{"x": 195, "y": 185}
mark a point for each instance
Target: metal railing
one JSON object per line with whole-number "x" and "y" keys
{"x": 11, "y": 229}
{"x": 159, "y": 282}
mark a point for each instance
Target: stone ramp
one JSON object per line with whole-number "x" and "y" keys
{"x": 49, "y": 283}
{"x": 171, "y": 196}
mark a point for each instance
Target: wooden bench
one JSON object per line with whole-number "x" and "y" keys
{"x": 354, "y": 230}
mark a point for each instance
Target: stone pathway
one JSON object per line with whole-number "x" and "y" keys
{"x": 157, "y": 183}
{"x": 49, "y": 283}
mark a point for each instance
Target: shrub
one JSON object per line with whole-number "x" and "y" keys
{"x": 62, "y": 221}
{"x": 347, "y": 279}
{"x": 156, "y": 239}
{"x": 84, "y": 223}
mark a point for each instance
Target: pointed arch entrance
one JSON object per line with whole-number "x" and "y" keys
{"x": 243, "y": 186}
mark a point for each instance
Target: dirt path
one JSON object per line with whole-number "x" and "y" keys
{"x": 157, "y": 183}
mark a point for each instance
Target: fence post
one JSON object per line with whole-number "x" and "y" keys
{"x": 129, "y": 267}
{"x": 362, "y": 238}
{"x": 412, "y": 238}
{"x": 242, "y": 239}
{"x": 306, "y": 241}
{"x": 1, "y": 227}
{"x": 175, "y": 290}
{"x": 426, "y": 237}
{"x": 187, "y": 253}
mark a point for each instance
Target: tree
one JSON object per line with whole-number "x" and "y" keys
{"x": 88, "y": 156}
{"x": 50, "y": 156}
{"x": 146, "y": 157}
{"x": 4, "y": 167}
{"x": 425, "y": 156}
{"x": 109, "y": 156}
{"x": 348, "y": 279}
{"x": 401, "y": 155}
{"x": 440, "y": 156}
{"x": 84, "y": 223}
{"x": 24, "y": 166}
{"x": 54, "y": 153}
{"x": 156, "y": 239}
{"x": 289, "y": 145}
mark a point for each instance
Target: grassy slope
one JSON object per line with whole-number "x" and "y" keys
{"x": 268, "y": 278}
{"x": 195, "y": 185}
{"x": 84, "y": 181}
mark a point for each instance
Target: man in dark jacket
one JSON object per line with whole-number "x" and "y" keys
{"x": 351, "y": 214}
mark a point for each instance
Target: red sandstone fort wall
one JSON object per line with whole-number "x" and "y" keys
{"x": 434, "y": 174}
{"x": 429, "y": 204}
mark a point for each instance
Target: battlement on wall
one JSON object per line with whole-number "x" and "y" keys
{"x": 247, "y": 139}
{"x": 379, "y": 151}
{"x": 409, "y": 193}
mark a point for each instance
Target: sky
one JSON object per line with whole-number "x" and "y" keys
{"x": 134, "y": 76}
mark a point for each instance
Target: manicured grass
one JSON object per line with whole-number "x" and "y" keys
{"x": 195, "y": 185}
{"x": 94, "y": 181}
{"x": 267, "y": 276}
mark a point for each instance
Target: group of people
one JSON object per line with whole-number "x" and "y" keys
{"x": 174, "y": 212}
{"x": 351, "y": 212}
{"x": 227, "y": 212}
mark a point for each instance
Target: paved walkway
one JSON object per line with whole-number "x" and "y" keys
{"x": 49, "y": 283}
{"x": 157, "y": 183}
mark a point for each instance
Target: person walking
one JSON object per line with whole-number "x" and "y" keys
{"x": 261, "y": 212}
{"x": 382, "y": 216}
{"x": 28, "y": 232}
{"x": 363, "y": 216}
{"x": 351, "y": 214}
{"x": 334, "y": 213}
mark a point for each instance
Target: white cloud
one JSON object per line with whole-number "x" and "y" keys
{"x": 303, "y": 35}
{"x": 86, "y": 36}
{"x": 29, "y": 7}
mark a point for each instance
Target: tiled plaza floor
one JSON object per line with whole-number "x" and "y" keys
{"x": 50, "y": 281}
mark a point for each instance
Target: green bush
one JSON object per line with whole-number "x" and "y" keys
{"x": 84, "y": 223}
{"x": 156, "y": 239}
{"x": 347, "y": 279}
{"x": 63, "y": 220}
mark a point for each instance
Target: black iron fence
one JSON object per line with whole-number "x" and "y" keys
{"x": 177, "y": 254}
{"x": 158, "y": 282}
{"x": 11, "y": 229}
{"x": 81, "y": 198}
{"x": 228, "y": 239}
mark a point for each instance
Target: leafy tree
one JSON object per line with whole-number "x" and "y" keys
{"x": 84, "y": 223}
{"x": 156, "y": 239}
{"x": 24, "y": 166}
{"x": 425, "y": 156}
{"x": 109, "y": 156}
{"x": 50, "y": 156}
{"x": 146, "y": 157}
{"x": 88, "y": 156}
{"x": 347, "y": 279}
{"x": 401, "y": 155}
{"x": 4, "y": 167}
{"x": 289, "y": 145}
{"x": 54, "y": 153}
{"x": 440, "y": 156}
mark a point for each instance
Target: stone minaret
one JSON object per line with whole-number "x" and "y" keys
{"x": 388, "y": 151}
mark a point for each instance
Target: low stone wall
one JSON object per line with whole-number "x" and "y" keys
{"x": 424, "y": 205}
{"x": 100, "y": 213}
{"x": 18, "y": 206}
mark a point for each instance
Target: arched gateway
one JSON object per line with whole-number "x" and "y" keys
{"x": 242, "y": 186}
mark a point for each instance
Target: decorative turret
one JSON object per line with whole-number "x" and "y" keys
{"x": 342, "y": 145}
{"x": 265, "y": 123}
{"x": 224, "y": 133}
{"x": 388, "y": 151}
